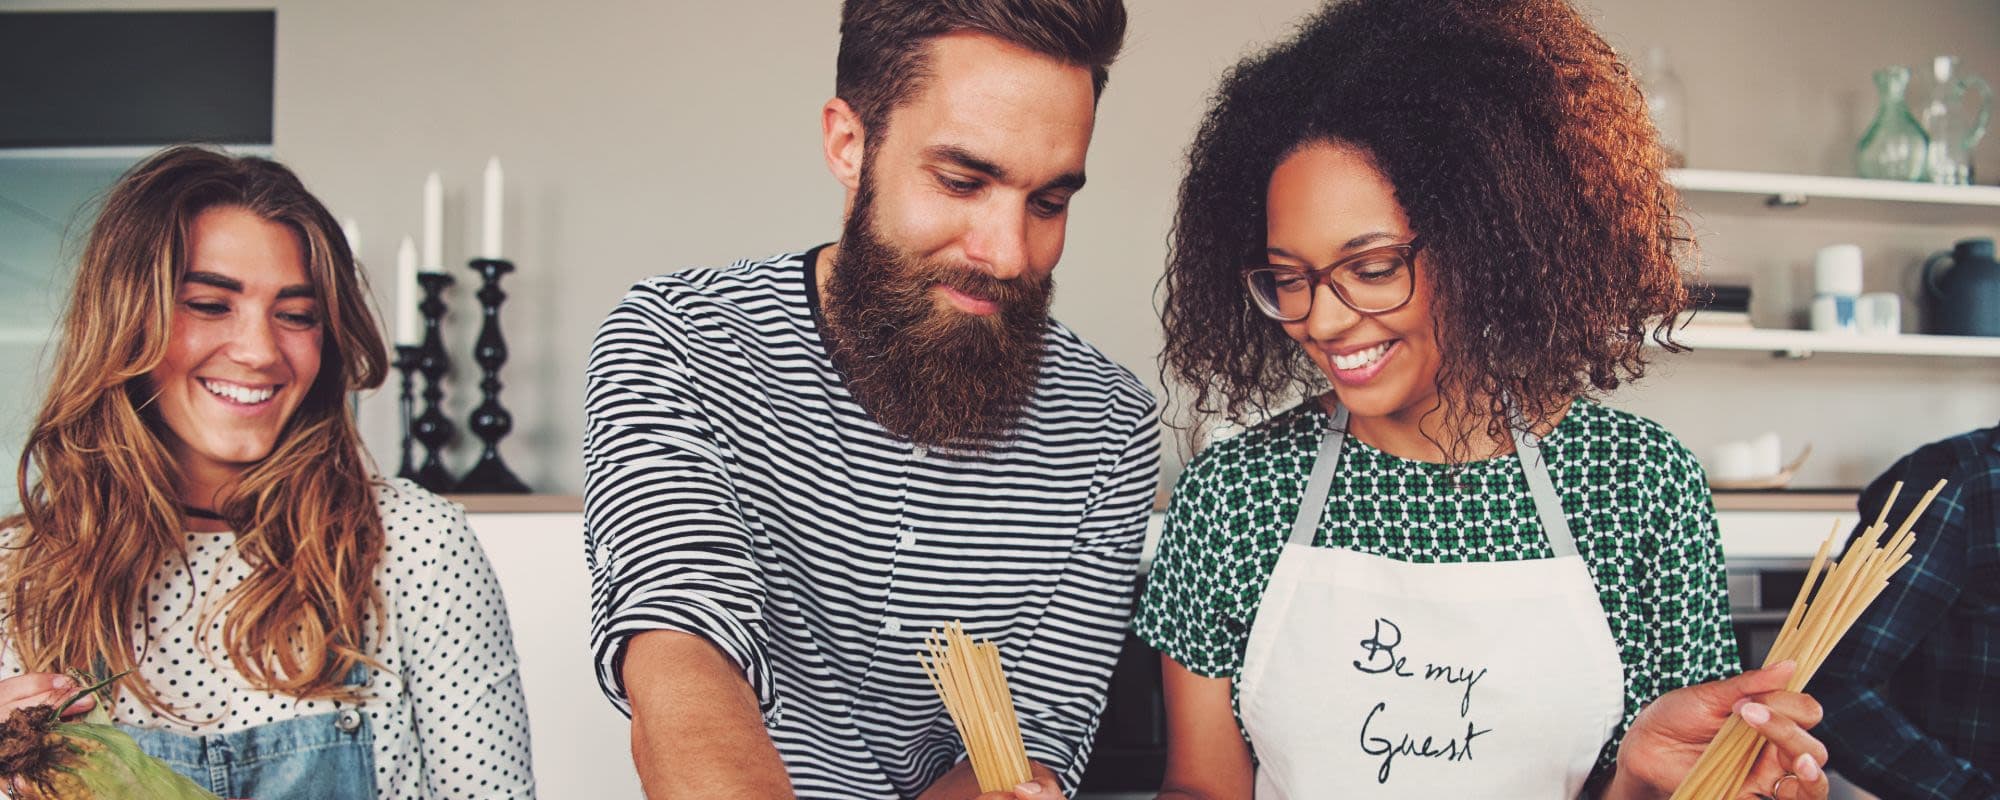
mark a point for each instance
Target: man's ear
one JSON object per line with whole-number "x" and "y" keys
{"x": 844, "y": 141}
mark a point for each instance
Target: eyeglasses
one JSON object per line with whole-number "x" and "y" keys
{"x": 1374, "y": 281}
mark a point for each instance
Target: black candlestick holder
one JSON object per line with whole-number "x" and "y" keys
{"x": 491, "y": 422}
{"x": 406, "y": 363}
{"x": 432, "y": 427}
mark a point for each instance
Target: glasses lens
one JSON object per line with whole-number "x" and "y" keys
{"x": 1282, "y": 293}
{"x": 1377, "y": 283}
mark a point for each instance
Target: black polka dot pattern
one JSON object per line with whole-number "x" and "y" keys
{"x": 447, "y": 715}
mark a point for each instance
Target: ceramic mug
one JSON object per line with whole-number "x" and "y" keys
{"x": 1879, "y": 313}
{"x": 1834, "y": 314}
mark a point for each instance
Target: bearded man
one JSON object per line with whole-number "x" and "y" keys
{"x": 797, "y": 467}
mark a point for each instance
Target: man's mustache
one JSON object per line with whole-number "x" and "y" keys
{"x": 977, "y": 283}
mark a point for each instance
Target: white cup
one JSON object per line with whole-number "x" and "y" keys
{"x": 1879, "y": 313}
{"x": 1834, "y": 314}
{"x": 1837, "y": 270}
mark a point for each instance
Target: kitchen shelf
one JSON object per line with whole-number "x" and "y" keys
{"x": 1799, "y": 344}
{"x": 1731, "y": 192}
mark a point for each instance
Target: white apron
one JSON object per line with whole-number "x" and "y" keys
{"x": 1370, "y": 677}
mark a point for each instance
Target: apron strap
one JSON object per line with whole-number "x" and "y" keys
{"x": 1548, "y": 505}
{"x": 1527, "y": 447}
{"x": 1312, "y": 504}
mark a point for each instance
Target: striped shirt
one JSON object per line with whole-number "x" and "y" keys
{"x": 733, "y": 489}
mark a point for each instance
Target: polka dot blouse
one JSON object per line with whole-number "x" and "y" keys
{"x": 447, "y": 715}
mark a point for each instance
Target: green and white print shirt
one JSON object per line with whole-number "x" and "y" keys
{"x": 1636, "y": 499}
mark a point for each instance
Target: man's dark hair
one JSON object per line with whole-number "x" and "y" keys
{"x": 885, "y": 44}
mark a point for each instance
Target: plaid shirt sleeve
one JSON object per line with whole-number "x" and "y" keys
{"x": 1871, "y": 741}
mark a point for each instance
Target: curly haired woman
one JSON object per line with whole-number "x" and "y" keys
{"x": 198, "y": 511}
{"x": 1448, "y": 572}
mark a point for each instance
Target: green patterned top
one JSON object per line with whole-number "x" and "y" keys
{"x": 1636, "y": 499}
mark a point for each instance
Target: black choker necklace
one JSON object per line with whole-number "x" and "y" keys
{"x": 200, "y": 513}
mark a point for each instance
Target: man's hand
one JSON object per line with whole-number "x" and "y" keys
{"x": 696, "y": 729}
{"x": 960, "y": 783}
{"x": 1037, "y": 789}
{"x": 1670, "y": 734}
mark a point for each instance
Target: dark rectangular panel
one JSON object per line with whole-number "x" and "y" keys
{"x": 108, "y": 78}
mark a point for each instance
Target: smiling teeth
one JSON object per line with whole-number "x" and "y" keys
{"x": 240, "y": 394}
{"x": 1359, "y": 359}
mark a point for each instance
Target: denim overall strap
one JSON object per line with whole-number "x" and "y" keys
{"x": 327, "y": 756}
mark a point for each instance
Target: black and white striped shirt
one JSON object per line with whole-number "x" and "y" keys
{"x": 733, "y": 489}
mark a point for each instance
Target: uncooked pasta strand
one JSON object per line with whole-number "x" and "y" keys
{"x": 971, "y": 682}
{"x": 1830, "y": 602}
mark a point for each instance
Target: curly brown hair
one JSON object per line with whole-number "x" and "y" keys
{"x": 1520, "y": 149}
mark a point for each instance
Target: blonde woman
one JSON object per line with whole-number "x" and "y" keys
{"x": 197, "y": 510}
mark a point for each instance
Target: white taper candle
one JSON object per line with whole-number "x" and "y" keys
{"x": 490, "y": 220}
{"x": 408, "y": 295}
{"x": 433, "y": 224}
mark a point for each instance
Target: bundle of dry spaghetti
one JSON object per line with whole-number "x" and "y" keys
{"x": 968, "y": 676}
{"x": 1811, "y": 630}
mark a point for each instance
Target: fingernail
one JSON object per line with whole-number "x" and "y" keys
{"x": 62, "y": 683}
{"x": 1740, "y": 703}
{"x": 1785, "y": 664}
{"x": 1030, "y": 787}
{"x": 1807, "y": 768}
{"x": 1755, "y": 713}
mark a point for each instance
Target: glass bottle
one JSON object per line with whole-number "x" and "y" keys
{"x": 1895, "y": 147}
{"x": 1666, "y": 101}
{"x": 1954, "y": 125}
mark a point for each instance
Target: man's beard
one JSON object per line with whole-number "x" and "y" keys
{"x": 928, "y": 372}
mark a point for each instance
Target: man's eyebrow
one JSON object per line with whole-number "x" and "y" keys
{"x": 1071, "y": 181}
{"x": 965, "y": 158}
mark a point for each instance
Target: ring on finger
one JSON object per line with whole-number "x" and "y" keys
{"x": 1780, "y": 784}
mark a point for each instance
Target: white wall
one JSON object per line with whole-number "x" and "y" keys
{"x": 640, "y": 137}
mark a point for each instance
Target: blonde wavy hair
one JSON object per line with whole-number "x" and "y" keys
{"x": 100, "y": 494}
